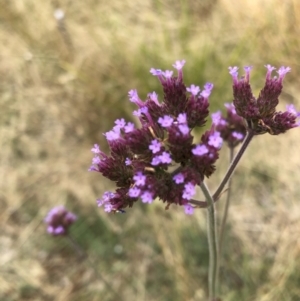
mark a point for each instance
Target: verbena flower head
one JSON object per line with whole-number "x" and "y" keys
{"x": 231, "y": 126}
{"x": 260, "y": 113}
{"x": 160, "y": 159}
{"x": 58, "y": 220}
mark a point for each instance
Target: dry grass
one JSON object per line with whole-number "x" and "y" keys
{"x": 61, "y": 89}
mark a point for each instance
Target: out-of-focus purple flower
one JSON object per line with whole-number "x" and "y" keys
{"x": 58, "y": 220}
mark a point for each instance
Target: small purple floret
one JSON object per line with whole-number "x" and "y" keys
{"x": 154, "y": 97}
{"x": 147, "y": 197}
{"x": 167, "y": 74}
{"x": 165, "y": 158}
{"x": 215, "y": 140}
{"x": 179, "y": 64}
{"x": 188, "y": 209}
{"x": 155, "y": 146}
{"x": 189, "y": 191}
{"x": 200, "y": 150}
{"x": 194, "y": 90}
{"x": 129, "y": 127}
{"x": 182, "y": 118}
{"x": 120, "y": 123}
{"x": 96, "y": 160}
{"x": 184, "y": 129}
{"x": 179, "y": 178}
{"x": 134, "y": 192}
{"x": 96, "y": 149}
{"x": 155, "y": 72}
{"x": 128, "y": 161}
{"x": 165, "y": 121}
{"x": 114, "y": 134}
{"x": 108, "y": 207}
{"x": 216, "y": 117}
{"x": 238, "y": 136}
{"x": 139, "y": 179}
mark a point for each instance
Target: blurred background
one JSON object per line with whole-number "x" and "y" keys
{"x": 66, "y": 68}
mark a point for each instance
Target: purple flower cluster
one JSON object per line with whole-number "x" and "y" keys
{"x": 260, "y": 113}
{"x": 58, "y": 220}
{"x": 160, "y": 159}
{"x": 231, "y": 126}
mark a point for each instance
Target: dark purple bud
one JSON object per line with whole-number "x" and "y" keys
{"x": 244, "y": 101}
{"x": 180, "y": 142}
{"x": 155, "y": 109}
{"x": 197, "y": 108}
{"x": 174, "y": 96}
{"x": 281, "y": 122}
{"x": 139, "y": 140}
{"x": 268, "y": 97}
{"x": 115, "y": 167}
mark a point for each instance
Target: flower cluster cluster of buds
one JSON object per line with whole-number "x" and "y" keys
{"x": 161, "y": 160}
{"x": 260, "y": 113}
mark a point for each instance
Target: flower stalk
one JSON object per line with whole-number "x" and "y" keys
{"x": 212, "y": 242}
{"x": 226, "y": 208}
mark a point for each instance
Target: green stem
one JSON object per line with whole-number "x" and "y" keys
{"x": 225, "y": 214}
{"x": 227, "y": 203}
{"x": 212, "y": 242}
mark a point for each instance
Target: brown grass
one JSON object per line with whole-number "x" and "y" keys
{"x": 60, "y": 90}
